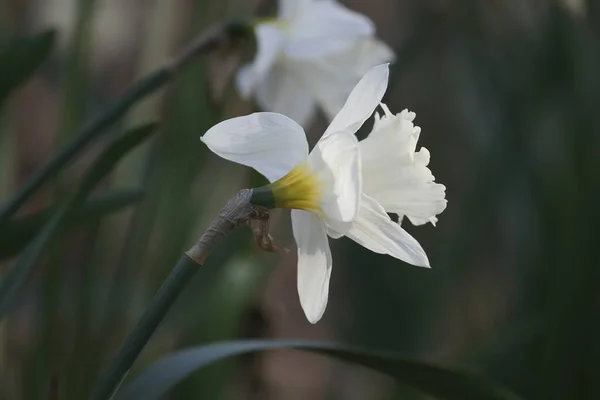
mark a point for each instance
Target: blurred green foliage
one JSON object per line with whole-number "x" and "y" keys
{"x": 19, "y": 59}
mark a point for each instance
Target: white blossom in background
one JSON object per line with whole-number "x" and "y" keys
{"x": 577, "y": 7}
{"x": 342, "y": 187}
{"x": 310, "y": 56}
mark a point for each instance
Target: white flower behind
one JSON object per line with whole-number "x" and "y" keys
{"x": 311, "y": 55}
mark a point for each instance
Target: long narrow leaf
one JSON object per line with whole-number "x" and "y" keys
{"x": 17, "y": 276}
{"x": 87, "y": 135}
{"x": 442, "y": 383}
{"x": 21, "y": 231}
{"x": 117, "y": 110}
{"x": 20, "y": 58}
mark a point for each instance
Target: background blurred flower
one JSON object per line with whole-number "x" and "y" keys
{"x": 311, "y": 55}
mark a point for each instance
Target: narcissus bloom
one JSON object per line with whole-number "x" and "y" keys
{"x": 342, "y": 187}
{"x": 311, "y": 55}
{"x": 322, "y": 188}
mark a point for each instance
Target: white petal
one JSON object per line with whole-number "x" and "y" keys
{"x": 270, "y": 143}
{"x": 314, "y": 263}
{"x": 419, "y": 202}
{"x": 282, "y": 92}
{"x": 397, "y": 176}
{"x": 336, "y": 159}
{"x": 374, "y": 230}
{"x": 403, "y": 186}
{"x": 291, "y": 8}
{"x": 363, "y": 100}
{"x": 246, "y": 81}
{"x": 331, "y": 79}
{"x": 269, "y": 40}
{"x": 325, "y": 27}
{"x": 333, "y": 233}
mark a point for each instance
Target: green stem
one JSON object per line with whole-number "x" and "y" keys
{"x": 237, "y": 211}
{"x": 152, "y": 317}
{"x": 263, "y": 196}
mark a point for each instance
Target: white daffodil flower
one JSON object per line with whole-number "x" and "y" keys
{"x": 395, "y": 180}
{"x": 322, "y": 188}
{"x": 342, "y": 188}
{"x": 311, "y": 55}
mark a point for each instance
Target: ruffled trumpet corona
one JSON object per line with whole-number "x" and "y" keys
{"x": 340, "y": 188}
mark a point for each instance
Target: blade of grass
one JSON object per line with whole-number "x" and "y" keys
{"x": 204, "y": 42}
{"x": 22, "y": 230}
{"x": 21, "y": 58}
{"x": 73, "y": 107}
{"x": 17, "y": 276}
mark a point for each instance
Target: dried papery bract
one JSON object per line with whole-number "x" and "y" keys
{"x": 238, "y": 211}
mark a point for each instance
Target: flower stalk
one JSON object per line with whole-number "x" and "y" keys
{"x": 238, "y": 211}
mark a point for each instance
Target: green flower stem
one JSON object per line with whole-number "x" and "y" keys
{"x": 263, "y": 196}
{"x": 203, "y": 43}
{"x": 238, "y": 211}
{"x": 167, "y": 294}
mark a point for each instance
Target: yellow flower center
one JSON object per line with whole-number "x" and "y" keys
{"x": 274, "y": 21}
{"x": 299, "y": 189}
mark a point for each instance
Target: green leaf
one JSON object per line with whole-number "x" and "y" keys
{"x": 83, "y": 139}
{"x": 113, "y": 113}
{"x": 21, "y": 231}
{"x": 20, "y": 58}
{"x": 104, "y": 164}
{"x": 442, "y": 383}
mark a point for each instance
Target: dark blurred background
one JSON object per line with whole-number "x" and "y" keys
{"x": 507, "y": 93}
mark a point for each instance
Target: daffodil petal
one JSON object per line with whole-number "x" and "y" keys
{"x": 314, "y": 263}
{"x": 269, "y": 40}
{"x": 374, "y": 230}
{"x": 282, "y": 92}
{"x": 333, "y": 233}
{"x": 336, "y": 159}
{"x": 408, "y": 189}
{"x": 287, "y": 9}
{"x": 357, "y": 61}
{"x": 324, "y": 78}
{"x": 270, "y": 143}
{"x": 246, "y": 81}
{"x": 326, "y": 27}
{"x": 361, "y": 103}
{"x": 420, "y": 203}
